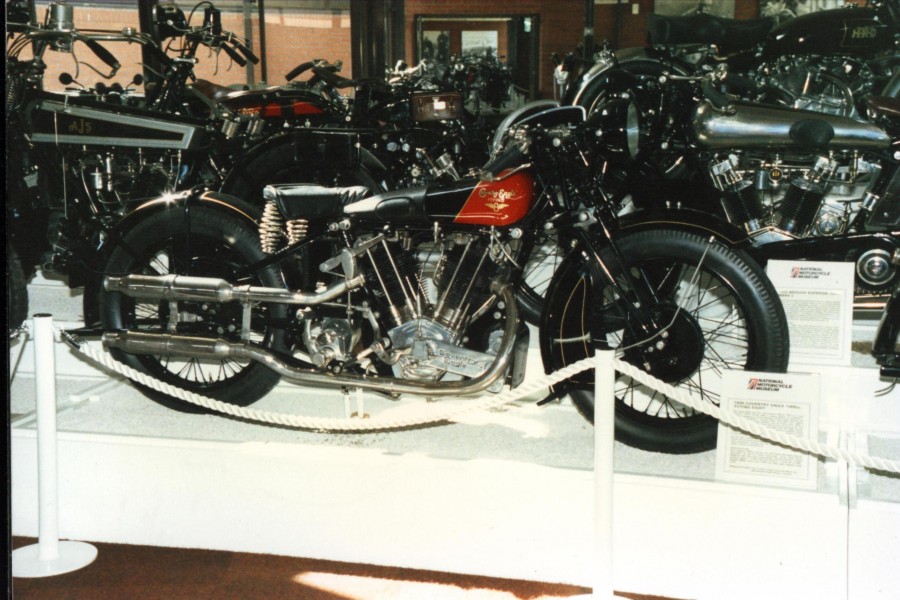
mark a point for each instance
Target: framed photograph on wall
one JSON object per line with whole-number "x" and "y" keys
{"x": 436, "y": 46}
{"x": 479, "y": 43}
{"x": 719, "y": 8}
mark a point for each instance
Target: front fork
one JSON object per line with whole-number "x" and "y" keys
{"x": 640, "y": 321}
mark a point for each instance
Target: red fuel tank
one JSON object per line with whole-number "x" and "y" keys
{"x": 499, "y": 203}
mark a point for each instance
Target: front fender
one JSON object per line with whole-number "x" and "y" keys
{"x": 181, "y": 202}
{"x": 687, "y": 219}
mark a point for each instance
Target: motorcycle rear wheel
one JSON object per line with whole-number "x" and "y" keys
{"x": 724, "y": 315}
{"x": 210, "y": 244}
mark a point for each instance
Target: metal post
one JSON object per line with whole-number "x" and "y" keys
{"x": 49, "y": 556}
{"x": 589, "y": 30}
{"x": 604, "y": 447}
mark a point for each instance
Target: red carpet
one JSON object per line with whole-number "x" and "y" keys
{"x": 123, "y": 572}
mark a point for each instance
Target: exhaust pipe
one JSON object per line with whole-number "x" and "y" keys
{"x": 208, "y": 289}
{"x": 135, "y": 342}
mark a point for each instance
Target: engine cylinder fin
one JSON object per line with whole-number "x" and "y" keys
{"x": 468, "y": 268}
{"x": 392, "y": 271}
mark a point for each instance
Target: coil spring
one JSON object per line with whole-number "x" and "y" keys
{"x": 297, "y": 230}
{"x": 270, "y": 228}
{"x": 14, "y": 87}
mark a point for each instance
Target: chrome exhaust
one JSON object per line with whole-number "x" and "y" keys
{"x": 135, "y": 342}
{"x": 208, "y": 289}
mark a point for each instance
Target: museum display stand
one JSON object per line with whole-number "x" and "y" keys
{"x": 507, "y": 493}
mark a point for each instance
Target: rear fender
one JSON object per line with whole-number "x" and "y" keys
{"x": 622, "y": 73}
{"x": 312, "y": 146}
{"x": 179, "y": 203}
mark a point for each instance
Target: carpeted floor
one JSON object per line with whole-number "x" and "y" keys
{"x": 123, "y": 572}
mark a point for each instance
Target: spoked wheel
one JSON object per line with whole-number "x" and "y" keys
{"x": 210, "y": 244}
{"x": 713, "y": 310}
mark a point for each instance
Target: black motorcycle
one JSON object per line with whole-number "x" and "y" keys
{"x": 86, "y": 156}
{"x": 408, "y": 130}
{"x": 792, "y": 184}
{"x": 413, "y": 291}
{"x": 795, "y": 184}
{"x": 828, "y": 61}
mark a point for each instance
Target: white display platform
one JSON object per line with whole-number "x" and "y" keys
{"x": 508, "y": 494}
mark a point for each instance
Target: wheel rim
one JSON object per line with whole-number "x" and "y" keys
{"x": 210, "y": 258}
{"x": 706, "y": 330}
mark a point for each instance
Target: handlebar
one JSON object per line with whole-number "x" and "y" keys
{"x": 233, "y": 54}
{"x": 319, "y": 63}
{"x": 101, "y": 53}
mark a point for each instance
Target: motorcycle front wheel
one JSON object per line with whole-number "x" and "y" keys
{"x": 715, "y": 308}
{"x": 210, "y": 243}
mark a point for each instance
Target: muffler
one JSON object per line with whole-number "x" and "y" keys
{"x": 209, "y": 289}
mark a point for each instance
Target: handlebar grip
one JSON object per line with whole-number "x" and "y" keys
{"x": 511, "y": 157}
{"x": 302, "y": 67}
{"x": 102, "y": 53}
{"x": 247, "y": 52}
{"x": 233, "y": 54}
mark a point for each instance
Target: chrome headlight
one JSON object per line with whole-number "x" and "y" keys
{"x": 617, "y": 123}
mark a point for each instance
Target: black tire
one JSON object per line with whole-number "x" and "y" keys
{"x": 212, "y": 243}
{"x": 731, "y": 319}
{"x": 16, "y": 292}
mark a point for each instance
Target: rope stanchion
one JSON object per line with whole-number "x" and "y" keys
{"x": 604, "y": 461}
{"x": 429, "y": 413}
{"x": 49, "y": 556}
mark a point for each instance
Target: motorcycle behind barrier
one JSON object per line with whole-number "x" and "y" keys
{"x": 792, "y": 184}
{"x": 84, "y": 157}
{"x": 827, "y": 61}
{"x": 413, "y": 291}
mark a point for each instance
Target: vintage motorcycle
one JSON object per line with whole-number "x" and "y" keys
{"x": 87, "y": 156}
{"x": 91, "y": 154}
{"x": 795, "y": 184}
{"x": 391, "y": 134}
{"x": 413, "y": 291}
{"x": 828, "y": 61}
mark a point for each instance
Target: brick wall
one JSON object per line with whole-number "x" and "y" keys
{"x": 295, "y": 36}
{"x": 292, "y": 37}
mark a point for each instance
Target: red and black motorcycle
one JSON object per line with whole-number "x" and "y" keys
{"x": 413, "y": 291}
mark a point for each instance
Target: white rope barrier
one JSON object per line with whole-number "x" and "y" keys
{"x": 434, "y": 413}
{"x": 422, "y": 415}
{"x": 754, "y": 428}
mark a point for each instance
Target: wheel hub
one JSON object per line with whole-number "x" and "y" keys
{"x": 675, "y": 352}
